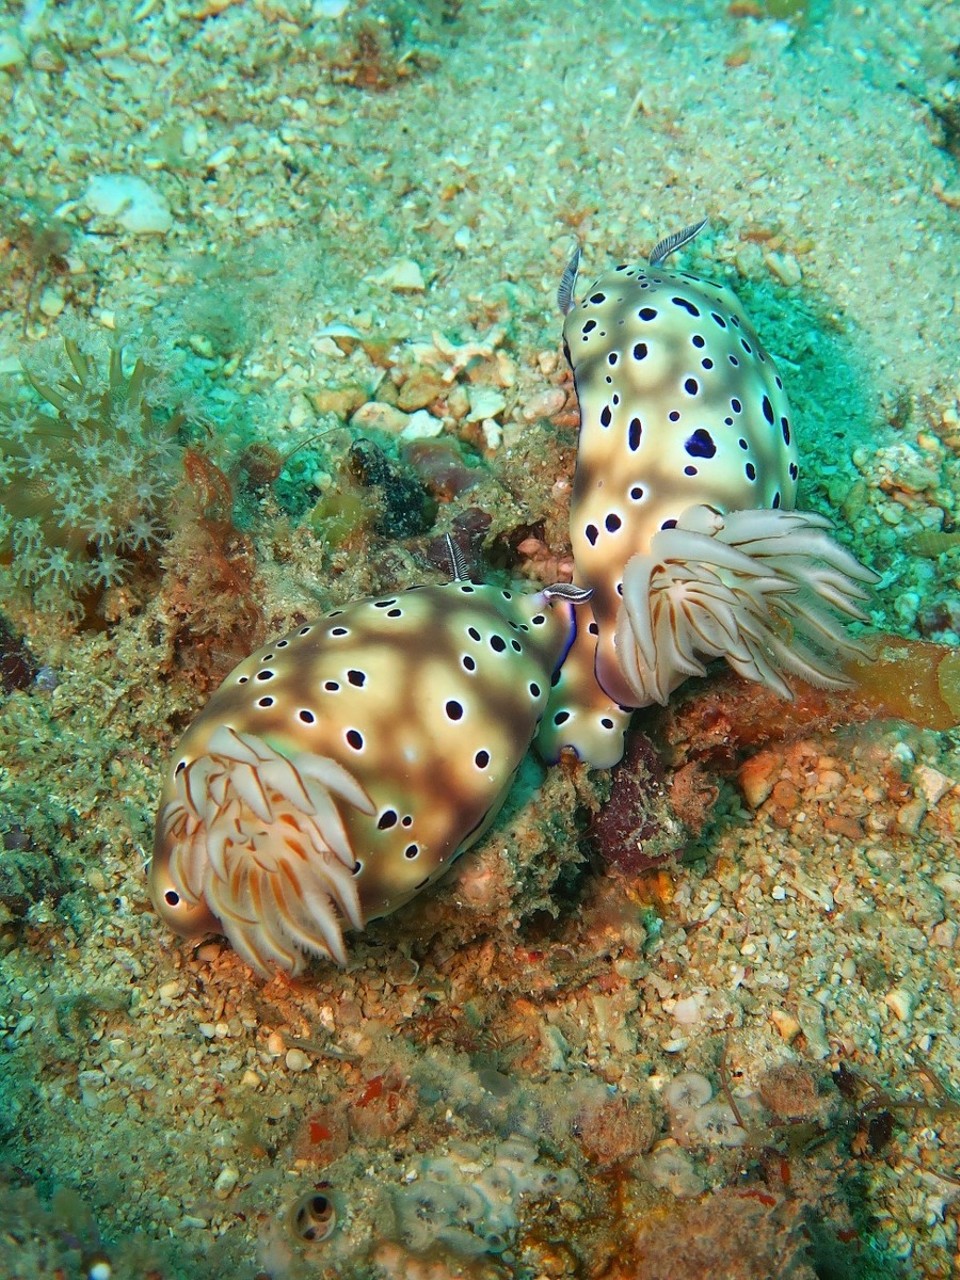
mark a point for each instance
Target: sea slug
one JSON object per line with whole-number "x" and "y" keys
{"x": 681, "y": 519}
{"x": 341, "y": 769}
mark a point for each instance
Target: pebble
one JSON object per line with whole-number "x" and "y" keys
{"x": 44, "y": 57}
{"x": 543, "y": 405}
{"x": 301, "y": 411}
{"x": 901, "y": 1001}
{"x": 686, "y": 1011}
{"x": 402, "y": 276}
{"x": 227, "y": 1179}
{"x": 297, "y": 1060}
{"x": 786, "y": 1024}
{"x": 485, "y": 402}
{"x": 944, "y": 934}
{"x": 420, "y": 389}
{"x": 949, "y": 882}
{"x": 910, "y": 815}
{"x": 201, "y": 345}
{"x": 24, "y": 1025}
{"x": 492, "y": 434}
{"x": 129, "y": 201}
{"x": 376, "y": 415}
{"x": 343, "y": 401}
{"x": 421, "y": 426}
{"x": 222, "y": 157}
{"x": 932, "y": 784}
{"x": 758, "y": 776}
{"x": 12, "y": 53}
{"x": 813, "y": 890}
{"x": 810, "y": 1017}
{"x": 52, "y": 302}
{"x": 785, "y": 267}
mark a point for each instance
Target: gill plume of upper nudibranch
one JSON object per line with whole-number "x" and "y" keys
{"x": 341, "y": 769}
{"x": 682, "y": 516}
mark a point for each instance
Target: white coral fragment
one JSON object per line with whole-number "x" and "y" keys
{"x": 129, "y": 201}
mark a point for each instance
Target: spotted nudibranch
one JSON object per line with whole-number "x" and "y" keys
{"x": 681, "y": 517}
{"x": 341, "y": 769}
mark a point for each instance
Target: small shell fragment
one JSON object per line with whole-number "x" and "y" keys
{"x": 402, "y": 276}
{"x": 227, "y": 1180}
{"x": 901, "y": 1001}
{"x": 313, "y": 1218}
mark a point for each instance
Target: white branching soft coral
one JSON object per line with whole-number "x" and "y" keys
{"x": 87, "y": 468}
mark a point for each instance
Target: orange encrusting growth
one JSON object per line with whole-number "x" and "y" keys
{"x": 912, "y": 680}
{"x": 715, "y": 723}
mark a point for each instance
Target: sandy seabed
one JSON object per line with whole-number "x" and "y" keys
{"x": 740, "y": 1062}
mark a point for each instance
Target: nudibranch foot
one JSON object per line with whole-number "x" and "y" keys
{"x": 580, "y": 716}
{"x": 760, "y": 589}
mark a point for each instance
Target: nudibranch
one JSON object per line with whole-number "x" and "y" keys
{"x": 341, "y": 769}
{"x": 681, "y": 517}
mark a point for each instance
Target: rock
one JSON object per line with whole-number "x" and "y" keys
{"x": 403, "y": 276}
{"x": 784, "y": 266}
{"x": 420, "y": 389}
{"x": 376, "y": 415}
{"x": 485, "y": 402}
{"x": 130, "y": 202}
{"x": 932, "y": 784}
{"x": 12, "y": 53}
{"x": 758, "y": 776}
{"x": 421, "y": 426}
{"x": 227, "y": 1179}
{"x": 901, "y": 1001}
{"x": 544, "y": 405}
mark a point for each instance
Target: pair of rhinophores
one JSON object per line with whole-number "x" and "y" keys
{"x": 341, "y": 769}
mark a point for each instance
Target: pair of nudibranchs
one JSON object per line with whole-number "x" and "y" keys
{"x": 343, "y": 768}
